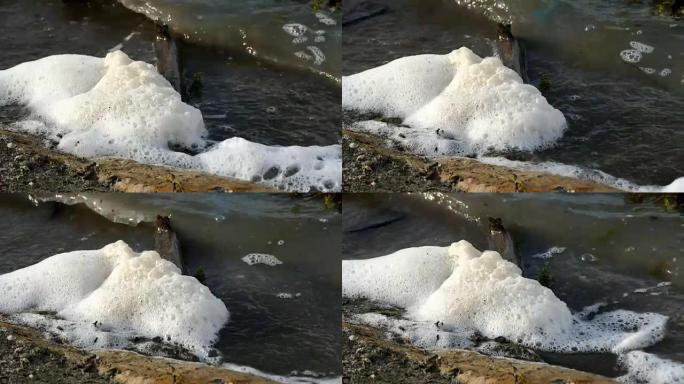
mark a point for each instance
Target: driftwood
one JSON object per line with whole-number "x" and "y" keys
{"x": 511, "y": 51}
{"x": 500, "y": 240}
{"x": 168, "y": 60}
{"x": 166, "y": 242}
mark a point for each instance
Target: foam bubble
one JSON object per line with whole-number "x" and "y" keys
{"x": 478, "y": 104}
{"x": 318, "y": 55}
{"x": 295, "y": 29}
{"x": 118, "y": 107}
{"x": 641, "y": 47}
{"x": 261, "y": 258}
{"x": 644, "y": 367}
{"x": 631, "y": 56}
{"x": 550, "y": 253}
{"x": 325, "y": 19}
{"x": 469, "y": 292}
{"x": 121, "y": 290}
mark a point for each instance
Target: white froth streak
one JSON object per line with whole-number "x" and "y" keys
{"x": 677, "y": 186}
{"x": 121, "y": 292}
{"x": 644, "y": 367}
{"x": 470, "y": 291}
{"x": 283, "y": 379}
{"x": 114, "y": 106}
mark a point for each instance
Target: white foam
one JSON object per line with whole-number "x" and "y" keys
{"x": 477, "y": 103}
{"x": 641, "y": 47}
{"x": 292, "y": 168}
{"x": 118, "y": 107}
{"x": 550, "y": 253}
{"x": 644, "y": 367}
{"x": 583, "y": 174}
{"x": 676, "y": 186}
{"x": 470, "y": 292}
{"x": 295, "y": 29}
{"x": 261, "y": 258}
{"x": 307, "y": 377}
{"x": 125, "y": 292}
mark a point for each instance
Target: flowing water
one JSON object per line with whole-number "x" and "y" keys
{"x": 268, "y": 331}
{"x": 272, "y": 102}
{"x": 617, "y": 251}
{"x": 624, "y": 117}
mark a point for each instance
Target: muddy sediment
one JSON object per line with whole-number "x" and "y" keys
{"x": 28, "y": 165}
{"x": 27, "y": 357}
{"x": 370, "y": 166}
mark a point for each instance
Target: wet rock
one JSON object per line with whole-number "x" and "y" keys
{"x": 371, "y": 166}
{"x": 28, "y": 166}
{"x": 368, "y": 357}
{"x": 49, "y": 362}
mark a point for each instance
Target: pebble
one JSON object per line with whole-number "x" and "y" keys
{"x": 10, "y": 338}
{"x": 10, "y": 145}
{"x": 353, "y": 145}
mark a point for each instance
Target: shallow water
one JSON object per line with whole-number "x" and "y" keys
{"x": 613, "y": 247}
{"x": 622, "y": 120}
{"x": 257, "y": 27}
{"x": 241, "y": 95}
{"x": 275, "y": 335}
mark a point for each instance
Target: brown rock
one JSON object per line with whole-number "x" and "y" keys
{"x": 405, "y": 172}
{"x": 52, "y": 171}
{"x": 123, "y": 367}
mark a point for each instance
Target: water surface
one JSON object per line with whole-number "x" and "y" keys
{"x": 241, "y": 95}
{"x": 624, "y": 118}
{"x": 616, "y": 251}
{"x": 276, "y": 335}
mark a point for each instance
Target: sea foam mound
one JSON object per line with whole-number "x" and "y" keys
{"x": 479, "y": 104}
{"x": 470, "y": 292}
{"x": 114, "y": 106}
{"x": 118, "y": 290}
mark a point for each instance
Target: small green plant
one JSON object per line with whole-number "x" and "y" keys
{"x": 544, "y": 84}
{"x": 317, "y": 5}
{"x": 196, "y": 85}
{"x": 200, "y": 276}
{"x": 670, "y": 202}
{"x": 332, "y": 201}
{"x": 544, "y": 277}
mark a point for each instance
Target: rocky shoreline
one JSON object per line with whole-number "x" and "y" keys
{"x": 27, "y": 357}
{"x": 370, "y": 166}
{"x": 29, "y": 166}
{"x": 369, "y": 357}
